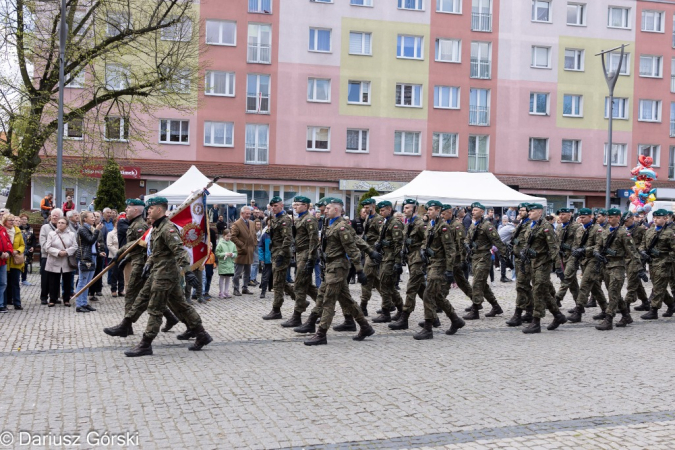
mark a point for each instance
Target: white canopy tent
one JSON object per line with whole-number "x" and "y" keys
{"x": 460, "y": 189}
{"x": 192, "y": 180}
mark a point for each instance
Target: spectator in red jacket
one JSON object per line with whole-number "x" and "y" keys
{"x": 68, "y": 205}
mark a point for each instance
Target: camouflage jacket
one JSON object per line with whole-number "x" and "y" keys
{"x": 392, "y": 241}
{"x": 566, "y": 237}
{"x": 414, "y": 233}
{"x": 340, "y": 243}
{"x": 622, "y": 248}
{"x": 543, "y": 240}
{"x": 459, "y": 234}
{"x": 281, "y": 235}
{"x": 167, "y": 254}
{"x": 136, "y": 230}
{"x": 664, "y": 246}
{"x": 307, "y": 235}
{"x": 520, "y": 236}
{"x": 481, "y": 237}
{"x": 594, "y": 232}
{"x": 442, "y": 245}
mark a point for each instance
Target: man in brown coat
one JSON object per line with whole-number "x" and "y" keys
{"x": 244, "y": 238}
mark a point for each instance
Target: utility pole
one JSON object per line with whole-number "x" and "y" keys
{"x": 611, "y": 78}
{"x": 63, "y": 35}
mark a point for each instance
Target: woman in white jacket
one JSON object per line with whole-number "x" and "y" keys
{"x": 116, "y": 277}
{"x": 61, "y": 243}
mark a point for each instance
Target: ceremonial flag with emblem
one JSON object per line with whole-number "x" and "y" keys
{"x": 193, "y": 224}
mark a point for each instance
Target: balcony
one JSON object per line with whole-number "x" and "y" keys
{"x": 479, "y": 115}
{"x": 480, "y": 68}
{"x": 259, "y": 53}
{"x": 478, "y": 163}
{"x": 481, "y": 22}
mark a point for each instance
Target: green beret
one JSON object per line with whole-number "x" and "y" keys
{"x": 276, "y": 199}
{"x": 157, "y": 201}
{"x": 524, "y": 205}
{"x": 477, "y": 205}
{"x": 383, "y": 204}
{"x": 301, "y": 199}
{"x": 627, "y": 215}
{"x": 660, "y": 213}
{"x": 434, "y": 203}
{"x": 565, "y": 210}
{"x": 337, "y": 201}
{"x": 602, "y": 211}
{"x": 135, "y": 202}
{"x": 368, "y": 201}
{"x": 410, "y": 201}
{"x": 534, "y": 206}
{"x": 445, "y": 207}
{"x": 585, "y": 212}
{"x": 614, "y": 212}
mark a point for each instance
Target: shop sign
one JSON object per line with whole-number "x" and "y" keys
{"x": 129, "y": 173}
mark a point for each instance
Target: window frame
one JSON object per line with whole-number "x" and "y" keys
{"x": 548, "y": 54}
{"x": 123, "y": 70}
{"x": 454, "y": 2}
{"x": 657, "y": 58}
{"x": 364, "y": 3}
{"x": 313, "y": 81}
{"x": 79, "y": 81}
{"x": 369, "y": 50}
{"x": 315, "y": 129}
{"x": 437, "y": 136}
{"x": 625, "y": 20}
{"x": 399, "y": 44}
{"x": 177, "y": 27}
{"x": 260, "y": 3}
{"x": 662, "y": 21}
{"x": 534, "y": 9}
{"x": 402, "y": 87}
{"x": 625, "y": 65}
{"x": 579, "y": 56}
{"x": 531, "y": 149}
{"x": 479, "y": 44}
{"x": 450, "y": 41}
{"x": 606, "y": 157}
{"x": 657, "y": 110}
{"x": 477, "y": 138}
{"x": 402, "y": 134}
{"x": 257, "y": 147}
{"x": 626, "y": 105}
{"x": 534, "y": 103}
{"x": 220, "y": 32}
{"x": 451, "y": 89}
{"x": 581, "y": 106}
{"x": 259, "y": 45}
{"x": 212, "y": 125}
{"x": 578, "y": 150}
{"x": 124, "y": 127}
{"x": 66, "y": 130}
{"x": 361, "y": 131}
{"x": 316, "y": 39}
{"x": 583, "y": 7}
{"x": 209, "y": 83}
{"x": 126, "y": 16}
{"x": 417, "y": 2}
{"x": 168, "y": 131}
{"x": 269, "y": 94}
{"x": 361, "y": 83}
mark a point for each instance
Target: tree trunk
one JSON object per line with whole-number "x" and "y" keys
{"x": 22, "y": 176}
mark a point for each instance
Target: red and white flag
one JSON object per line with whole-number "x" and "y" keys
{"x": 192, "y": 222}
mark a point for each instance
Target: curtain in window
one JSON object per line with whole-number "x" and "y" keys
{"x": 353, "y": 140}
{"x": 321, "y": 90}
{"x": 323, "y": 40}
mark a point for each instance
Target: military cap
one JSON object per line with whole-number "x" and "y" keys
{"x": 614, "y": 212}
{"x": 368, "y": 201}
{"x": 627, "y": 215}
{"x": 276, "y": 199}
{"x": 524, "y": 205}
{"x": 434, "y": 203}
{"x": 660, "y": 213}
{"x": 602, "y": 211}
{"x": 157, "y": 201}
{"x": 477, "y": 205}
{"x": 301, "y": 199}
{"x": 585, "y": 212}
{"x": 565, "y": 210}
{"x": 536, "y": 206}
{"x": 134, "y": 202}
{"x": 337, "y": 201}
{"x": 383, "y": 204}
{"x": 410, "y": 201}
{"x": 445, "y": 207}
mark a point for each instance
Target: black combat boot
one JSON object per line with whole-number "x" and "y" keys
{"x": 473, "y": 314}
{"x": 669, "y": 312}
{"x": 644, "y": 306}
{"x": 571, "y": 310}
{"x": 496, "y": 309}
{"x": 347, "y": 325}
{"x": 527, "y": 318}
{"x": 202, "y": 338}
{"x": 364, "y": 308}
{"x": 534, "y": 327}
{"x": 517, "y": 319}
{"x": 626, "y": 319}
{"x": 456, "y": 323}
{"x": 294, "y": 321}
{"x": 318, "y": 339}
{"x": 171, "y": 320}
{"x": 188, "y": 334}
{"x": 124, "y": 329}
{"x": 364, "y": 331}
{"x": 273, "y": 315}
{"x": 401, "y": 323}
{"x": 426, "y": 332}
{"x": 591, "y": 303}
{"x": 600, "y": 316}
{"x": 309, "y": 326}
{"x": 436, "y": 323}
{"x": 576, "y": 315}
{"x": 558, "y": 319}
{"x": 144, "y": 348}
{"x": 606, "y": 324}
{"x": 392, "y": 308}
{"x": 398, "y": 313}
{"x": 653, "y": 314}
{"x": 385, "y": 316}
{"x": 470, "y": 307}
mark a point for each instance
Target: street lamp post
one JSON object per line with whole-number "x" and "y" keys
{"x": 611, "y": 78}
{"x": 63, "y": 35}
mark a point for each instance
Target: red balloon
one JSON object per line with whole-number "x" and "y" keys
{"x": 646, "y": 161}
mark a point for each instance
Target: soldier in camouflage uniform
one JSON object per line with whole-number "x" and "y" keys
{"x": 390, "y": 245}
{"x": 460, "y": 263}
{"x": 601, "y": 222}
{"x": 371, "y": 234}
{"x": 658, "y": 248}
{"x": 167, "y": 261}
{"x": 565, "y": 268}
{"x": 281, "y": 236}
{"x": 635, "y": 289}
{"x": 439, "y": 250}
{"x": 614, "y": 247}
{"x": 480, "y": 239}
{"x": 338, "y": 245}
{"x": 524, "y": 299}
{"x": 541, "y": 250}
{"x": 306, "y": 231}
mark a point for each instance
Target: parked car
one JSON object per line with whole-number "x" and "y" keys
{"x": 4, "y": 192}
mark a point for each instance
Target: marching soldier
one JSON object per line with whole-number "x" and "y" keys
{"x": 439, "y": 248}
{"x": 371, "y": 234}
{"x": 460, "y": 263}
{"x": 391, "y": 243}
{"x": 480, "y": 239}
{"x": 524, "y": 300}
{"x": 635, "y": 289}
{"x": 306, "y": 231}
{"x": 658, "y": 248}
{"x": 281, "y": 235}
{"x": 565, "y": 268}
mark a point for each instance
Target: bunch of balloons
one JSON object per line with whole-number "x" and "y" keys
{"x": 643, "y": 195}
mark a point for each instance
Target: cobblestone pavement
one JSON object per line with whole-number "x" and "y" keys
{"x": 256, "y": 386}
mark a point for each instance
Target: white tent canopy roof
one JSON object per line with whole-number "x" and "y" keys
{"x": 460, "y": 189}
{"x": 193, "y": 180}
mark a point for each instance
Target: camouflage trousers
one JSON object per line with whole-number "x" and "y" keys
{"x": 303, "y": 285}
{"x": 321, "y": 295}
{"x": 416, "y": 286}
{"x": 372, "y": 271}
{"x": 617, "y": 276}
{"x": 134, "y": 286}
{"x": 635, "y": 289}
{"x": 282, "y": 286}
{"x": 480, "y": 290}
{"x": 461, "y": 281}
{"x": 434, "y": 296}
{"x": 591, "y": 283}
{"x": 390, "y": 296}
{"x": 141, "y": 302}
{"x": 661, "y": 273}
{"x": 570, "y": 282}
{"x": 337, "y": 291}
{"x": 524, "y": 299}
{"x": 543, "y": 291}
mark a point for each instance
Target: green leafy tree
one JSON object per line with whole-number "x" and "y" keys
{"x": 370, "y": 193}
{"x": 110, "y": 191}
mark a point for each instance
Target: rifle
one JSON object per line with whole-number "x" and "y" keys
{"x": 294, "y": 232}
{"x": 605, "y": 250}
{"x": 406, "y": 243}
{"x": 564, "y": 247}
{"x": 471, "y": 247}
{"x": 651, "y": 251}
{"x": 382, "y": 242}
{"x": 426, "y": 252}
{"x": 584, "y": 239}
{"x": 322, "y": 248}
{"x": 527, "y": 253}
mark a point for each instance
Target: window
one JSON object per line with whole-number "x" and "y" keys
{"x": 671, "y": 167}
{"x": 651, "y": 66}
{"x": 576, "y": 14}
{"x": 221, "y": 32}
{"x": 174, "y": 131}
{"x": 180, "y": 31}
{"x": 618, "y": 154}
{"x": 541, "y": 11}
{"x": 319, "y": 40}
{"x": 417, "y": 5}
{"x": 652, "y": 21}
{"x": 672, "y": 75}
{"x": 318, "y": 90}
{"x": 73, "y": 129}
{"x": 448, "y": 50}
{"x": 651, "y": 150}
{"x": 479, "y": 153}
{"x": 359, "y": 44}
{"x": 179, "y": 81}
{"x": 361, "y": 2}
{"x": 481, "y": 64}
{"x": 446, "y": 97}
{"x": 618, "y": 17}
{"x": 538, "y": 103}
{"x": 541, "y": 57}
{"x": 571, "y": 151}
{"x": 479, "y": 107}
{"x": 318, "y": 139}
{"x": 116, "y": 77}
{"x": 407, "y": 143}
{"x": 117, "y": 23}
{"x": 539, "y": 149}
{"x": 444, "y": 144}
{"x": 574, "y": 59}
{"x": 257, "y": 137}
{"x": 117, "y": 129}
{"x": 672, "y": 119}
{"x": 449, "y": 6}
{"x": 619, "y": 108}
{"x": 614, "y": 62}
{"x": 409, "y": 95}
{"x": 219, "y": 134}
{"x": 481, "y": 15}
{"x": 650, "y": 111}
{"x": 76, "y": 81}
{"x": 258, "y": 94}
{"x": 260, "y": 6}
{"x": 357, "y": 141}
{"x": 409, "y": 47}
{"x": 358, "y": 92}
{"x": 219, "y": 83}
{"x": 259, "y": 43}
{"x": 321, "y": 1}
{"x": 572, "y": 105}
